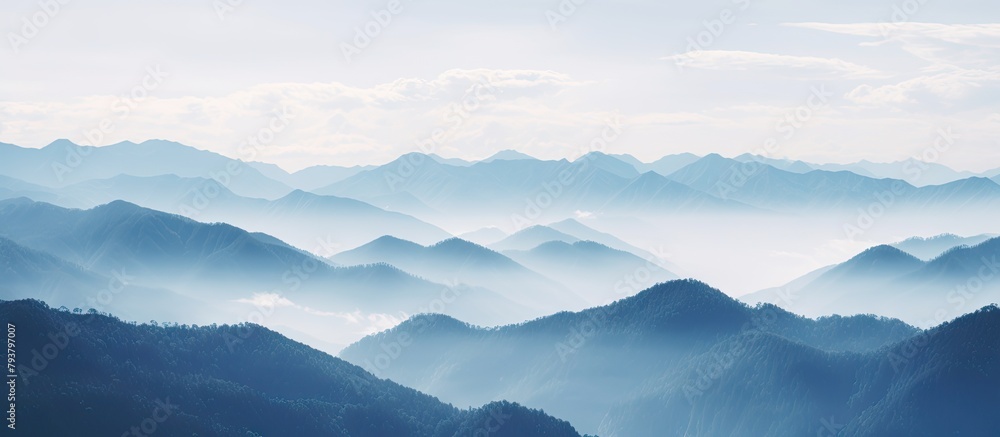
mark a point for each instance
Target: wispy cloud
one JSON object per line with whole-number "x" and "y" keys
{"x": 742, "y": 60}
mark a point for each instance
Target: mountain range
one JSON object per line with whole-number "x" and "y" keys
{"x": 682, "y": 358}
{"x": 110, "y": 377}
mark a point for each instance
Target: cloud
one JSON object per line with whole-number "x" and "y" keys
{"x": 267, "y": 300}
{"x": 741, "y": 60}
{"x": 935, "y": 89}
{"x": 369, "y": 323}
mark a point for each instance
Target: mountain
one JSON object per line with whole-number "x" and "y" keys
{"x": 511, "y": 191}
{"x": 531, "y": 237}
{"x": 317, "y": 223}
{"x": 234, "y": 271}
{"x": 459, "y": 261}
{"x": 611, "y": 165}
{"x": 934, "y": 383}
{"x": 596, "y": 367}
{"x": 484, "y": 236}
{"x": 781, "y": 164}
{"x": 766, "y": 187}
{"x": 11, "y": 188}
{"x": 599, "y": 273}
{"x": 669, "y": 164}
{"x": 932, "y": 247}
{"x": 308, "y": 178}
{"x": 913, "y": 171}
{"x": 27, "y": 273}
{"x": 508, "y": 155}
{"x": 63, "y": 162}
{"x": 579, "y": 230}
{"x": 109, "y": 377}
{"x": 878, "y": 280}
{"x": 652, "y": 193}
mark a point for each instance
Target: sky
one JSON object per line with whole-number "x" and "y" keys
{"x": 362, "y": 82}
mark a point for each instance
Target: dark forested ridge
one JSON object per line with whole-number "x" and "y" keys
{"x": 684, "y": 359}
{"x": 96, "y": 375}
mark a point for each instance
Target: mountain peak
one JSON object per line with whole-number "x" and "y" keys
{"x": 508, "y": 155}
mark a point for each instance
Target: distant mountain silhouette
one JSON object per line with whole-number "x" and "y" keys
{"x": 63, "y": 162}
{"x": 598, "y": 272}
{"x": 933, "y": 247}
{"x": 304, "y": 219}
{"x": 309, "y": 178}
{"x": 880, "y": 279}
{"x": 219, "y": 264}
{"x": 456, "y": 260}
{"x": 484, "y": 236}
{"x": 110, "y": 376}
{"x": 531, "y": 237}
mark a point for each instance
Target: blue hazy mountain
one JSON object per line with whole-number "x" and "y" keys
{"x": 652, "y": 193}
{"x": 595, "y": 367}
{"x": 918, "y": 173}
{"x": 303, "y": 219}
{"x": 28, "y": 273}
{"x": 62, "y": 163}
{"x": 611, "y": 165}
{"x": 495, "y": 189}
{"x": 881, "y": 278}
{"x": 110, "y": 376}
{"x": 11, "y": 188}
{"x": 764, "y": 186}
{"x": 220, "y": 263}
{"x": 308, "y": 178}
{"x": 581, "y": 231}
{"x": 669, "y": 164}
{"x": 599, "y": 273}
{"x": 455, "y": 260}
{"x": 229, "y": 270}
{"x": 504, "y": 155}
{"x": 932, "y": 247}
{"x": 781, "y": 164}
{"x": 531, "y": 237}
{"x": 484, "y": 236}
